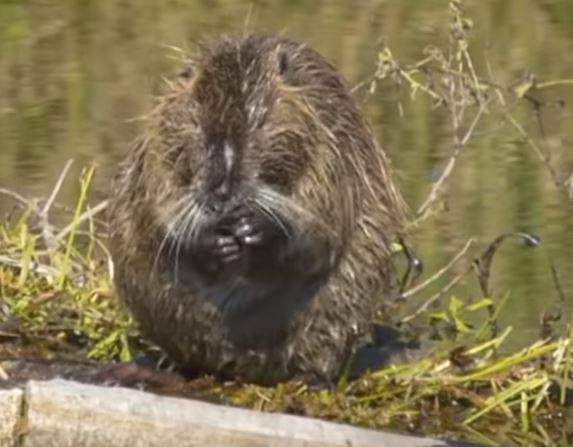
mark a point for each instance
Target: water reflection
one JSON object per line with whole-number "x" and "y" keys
{"x": 75, "y": 75}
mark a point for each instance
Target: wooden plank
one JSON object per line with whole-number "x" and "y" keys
{"x": 69, "y": 414}
{"x": 10, "y": 411}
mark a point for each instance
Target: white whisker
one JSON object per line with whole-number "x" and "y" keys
{"x": 179, "y": 231}
{"x": 274, "y": 203}
{"x": 167, "y": 235}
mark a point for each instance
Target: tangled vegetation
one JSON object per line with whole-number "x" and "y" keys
{"x": 57, "y": 301}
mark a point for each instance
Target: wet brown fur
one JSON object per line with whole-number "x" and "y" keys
{"x": 331, "y": 181}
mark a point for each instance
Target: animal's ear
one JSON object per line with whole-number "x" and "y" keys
{"x": 186, "y": 72}
{"x": 282, "y": 61}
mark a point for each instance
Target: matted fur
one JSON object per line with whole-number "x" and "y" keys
{"x": 307, "y": 157}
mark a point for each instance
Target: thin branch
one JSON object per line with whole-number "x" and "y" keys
{"x": 17, "y": 197}
{"x": 56, "y": 189}
{"x": 41, "y": 269}
{"x": 550, "y": 84}
{"x": 424, "y": 307}
{"x": 440, "y": 272}
{"x": 542, "y": 156}
{"x": 83, "y": 217}
{"x": 362, "y": 83}
{"x": 459, "y": 145}
{"x": 418, "y": 86}
{"x": 44, "y": 223}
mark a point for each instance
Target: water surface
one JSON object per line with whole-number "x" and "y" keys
{"x": 74, "y": 76}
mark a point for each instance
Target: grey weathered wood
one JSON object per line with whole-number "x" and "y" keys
{"x": 68, "y": 414}
{"x": 10, "y": 410}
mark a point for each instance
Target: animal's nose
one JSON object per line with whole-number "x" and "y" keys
{"x": 222, "y": 190}
{"x": 220, "y": 195}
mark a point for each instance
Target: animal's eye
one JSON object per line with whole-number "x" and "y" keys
{"x": 273, "y": 175}
{"x": 182, "y": 167}
{"x": 173, "y": 154}
{"x": 177, "y": 161}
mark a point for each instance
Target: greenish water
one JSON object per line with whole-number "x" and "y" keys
{"x": 75, "y": 75}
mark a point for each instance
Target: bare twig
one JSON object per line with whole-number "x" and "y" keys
{"x": 56, "y": 189}
{"x": 424, "y": 307}
{"x": 363, "y": 83}
{"x": 41, "y": 269}
{"x": 459, "y": 145}
{"x": 557, "y": 283}
{"x": 440, "y": 272}
{"x": 483, "y": 264}
{"x": 83, "y": 217}
{"x": 543, "y": 157}
{"x": 44, "y": 223}
{"x": 17, "y": 197}
{"x": 548, "y": 84}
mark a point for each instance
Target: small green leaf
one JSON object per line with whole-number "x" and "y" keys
{"x": 439, "y": 316}
{"x": 524, "y": 86}
{"x": 480, "y": 304}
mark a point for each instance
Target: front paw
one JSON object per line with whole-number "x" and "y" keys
{"x": 225, "y": 249}
{"x": 216, "y": 252}
{"x": 249, "y": 231}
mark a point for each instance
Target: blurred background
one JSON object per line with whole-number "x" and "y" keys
{"x": 75, "y": 75}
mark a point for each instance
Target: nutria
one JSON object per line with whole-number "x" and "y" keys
{"x": 252, "y": 223}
